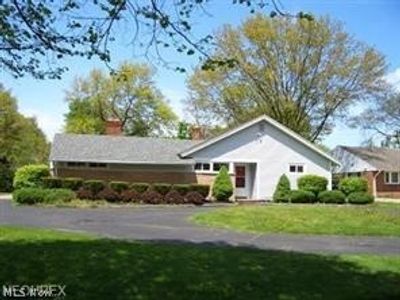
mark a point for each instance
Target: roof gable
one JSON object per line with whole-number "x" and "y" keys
{"x": 264, "y": 118}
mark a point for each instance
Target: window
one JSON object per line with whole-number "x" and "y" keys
{"x": 296, "y": 168}
{"x": 75, "y": 164}
{"x": 218, "y": 166}
{"x": 392, "y": 178}
{"x": 97, "y": 165}
{"x": 202, "y": 167}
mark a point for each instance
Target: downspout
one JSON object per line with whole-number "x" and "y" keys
{"x": 375, "y": 192}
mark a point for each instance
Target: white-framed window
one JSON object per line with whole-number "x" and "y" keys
{"x": 97, "y": 165}
{"x": 202, "y": 167}
{"x": 296, "y": 168}
{"x": 210, "y": 167}
{"x": 217, "y": 166}
{"x": 76, "y": 164}
{"x": 392, "y": 178}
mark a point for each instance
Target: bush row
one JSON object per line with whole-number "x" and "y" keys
{"x": 32, "y": 195}
{"x": 330, "y": 197}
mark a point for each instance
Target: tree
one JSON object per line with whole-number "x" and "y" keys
{"x": 222, "y": 188}
{"x": 183, "y": 131}
{"x": 128, "y": 95}
{"x": 32, "y": 33}
{"x": 282, "y": 190}
{"x": 21, "y": 140}
{"x": 382, "y": 118}
{"x": 305, "y": 74}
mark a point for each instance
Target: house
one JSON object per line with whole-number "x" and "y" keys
{"x": 256, "y": 154}
{"x": 380, "y": 166}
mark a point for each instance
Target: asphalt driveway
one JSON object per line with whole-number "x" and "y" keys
{"x": 170, "y": 224}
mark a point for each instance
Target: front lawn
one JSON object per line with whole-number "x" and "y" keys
{"x": 375, "y": 219}
{"x": 109, "y": 269}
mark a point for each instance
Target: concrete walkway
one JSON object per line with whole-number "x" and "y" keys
{"x": 171, "y": 225}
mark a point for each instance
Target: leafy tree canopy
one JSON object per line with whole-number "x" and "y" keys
{"x": 129, "y": 95}
{"x": 305, "y": 74}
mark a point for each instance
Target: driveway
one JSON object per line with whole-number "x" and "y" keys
{"x": 170, "y": 224}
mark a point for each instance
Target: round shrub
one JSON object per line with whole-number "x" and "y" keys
{"x": 30, "y": 176}
{"x": 312, "y": 183}
{"x": 152, "y": 197}
{"x": 85, "y": 194}
{"x": 54, "y": 195}
{"x": 282, "y": 190}
{"x": 72, "y": 183}
{"x": 332, "y": 197}
{"x": 360, "y": 198}
{"x": 350, "y": 185}
{"x": 203, "y": 189}
{"x": 222, "y": 189}
{"x": 139, "y": 187}
{"x": 174, "y": 197}
{"x": 119, "y": 186}
{"x": 95, "y": 186}
{"x": 301, "y": 196}
{"x": 162, "y": 188}
{"x": 29, "y": 195}
{"x": 182, "y": 189}
{"x": 130, "y": 196}
{"x": 52, "y": 182}
{"x": 195, "y": 198}
{"x": 108, "y": 194}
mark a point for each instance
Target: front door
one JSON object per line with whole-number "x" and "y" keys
{"x": 241, "y": 181}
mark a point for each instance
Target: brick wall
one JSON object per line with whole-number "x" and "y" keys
{"x": 383, "y": 190}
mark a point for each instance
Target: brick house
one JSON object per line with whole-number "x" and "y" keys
{"x": 256, "y": 154}
{"x": 380, "y": 166}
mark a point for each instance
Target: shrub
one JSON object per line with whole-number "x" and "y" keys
{"x": 72, "y": 183}
{"x": 51, "y": 182}
{"x": 29, "y": 195}
{"x": 53, "y": 195}
{"x": 140, "y": 187}
{"x": 182, "y": 189}
{"x": 301, "y": 196}
{"x": 85, "y": 194}
{"x": 152, "y": 197}
{"x": 282, "y": 189}
{"x": 195, "y": 198}
{"x": 350, "y": 185}
{"x": 360, "y": 198}
{"x": 119, "y": 186}
{"x": 162, "y": 188}
{"x": 222, "y": 189}
{"x": 332, "y": 197}
{"x": 6, "y": 177}
{"x": 203, "y": 189}
{"x": 95, "y": 186}
{"x": 30, "y": 176}
{"x": 130, "y": 196}
{"x": 174, "y": 197}
{"x": 312, "y": 183}
{"x": 108, "y": 194}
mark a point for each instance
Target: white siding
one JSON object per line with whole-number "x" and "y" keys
{"x": 272, "y": 150}
{"x": 350, "y": 163}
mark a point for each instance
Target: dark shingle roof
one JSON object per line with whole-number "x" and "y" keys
{"x": 380, "y": 158}
{"x": 118, "y": 149}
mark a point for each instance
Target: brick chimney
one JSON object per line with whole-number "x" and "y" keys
{"x": 113, "y": 127}
{"x": 197, "y": 132}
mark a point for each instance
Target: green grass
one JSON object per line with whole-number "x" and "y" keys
{"x": 109, "y": 269}
{"x": 376, "y": 219}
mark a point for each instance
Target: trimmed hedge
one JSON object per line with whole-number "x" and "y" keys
{"x": 130, "y": 196}
{"x": 174, "y": 197}
{"x": 312, "y": 183}
{"x": 182, "y": 189}
{"x": 72, "y": 183}
{"x": 95, "y": 186}
{"x": 52, "y": 182}
{"x": 350, "y": 185}
{"x": 195, "y": 198}
{"x": 222, "y": 189}
{"x": 152, "y": 197}
{"x": 162, "y": 188}
{"x": 40, "y": 195}
{"x": 140, "y": 187}
{"x": 360, "y": 198}
{"x": 335, "y": 196}
{"x": 202, "y": 189}
{"x": 53, "y": 195}
{"x": 108, "y": 194}
{"x": 119, "y": 186}
{"x": 301, "y": 196}
{"x": 85, "y": 194}
{"x": 282, "y": 190}
{"x": 30, "y": 176}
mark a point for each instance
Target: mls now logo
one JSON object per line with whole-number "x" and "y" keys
{"x": 37, "y": 291}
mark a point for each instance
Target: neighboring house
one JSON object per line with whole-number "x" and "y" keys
{"x": 380, "y": 166}
{"x": 256, "y": 154}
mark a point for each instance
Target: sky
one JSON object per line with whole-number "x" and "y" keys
{"x": 376, "y": 22}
